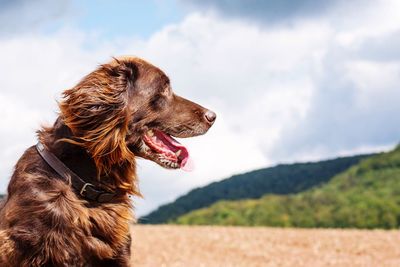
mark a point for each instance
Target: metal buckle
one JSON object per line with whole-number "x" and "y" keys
{"x": 84, "y": 188}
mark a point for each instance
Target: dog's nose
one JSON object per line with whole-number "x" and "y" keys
{"x": 210, "y": 116}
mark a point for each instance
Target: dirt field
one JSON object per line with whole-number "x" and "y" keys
{"x": 241, "y": 246}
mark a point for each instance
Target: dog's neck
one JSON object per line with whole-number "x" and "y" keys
{"x": 73, "y": 156}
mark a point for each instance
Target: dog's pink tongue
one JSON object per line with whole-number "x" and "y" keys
{"x": 173, "y": 145}
{"x": 187, "y": 164}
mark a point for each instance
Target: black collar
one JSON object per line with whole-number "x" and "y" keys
{"x": 86, "y": 190}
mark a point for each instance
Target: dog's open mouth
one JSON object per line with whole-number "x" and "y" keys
{"x": 167, "y": 151}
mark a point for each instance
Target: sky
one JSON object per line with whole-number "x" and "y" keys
{"x": 290, "y": 81}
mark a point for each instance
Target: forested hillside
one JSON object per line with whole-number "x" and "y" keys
{"x": 365, "y": 196}
{"x": 281, "y": 179}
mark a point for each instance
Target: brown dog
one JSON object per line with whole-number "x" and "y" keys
{"x": 68, "y": 199}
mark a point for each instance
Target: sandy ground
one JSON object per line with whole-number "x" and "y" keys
{"x": 242, "y": 246}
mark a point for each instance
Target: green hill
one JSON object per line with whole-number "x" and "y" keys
{"x": 365, "y": 196}
{"x": 281, "y": 179}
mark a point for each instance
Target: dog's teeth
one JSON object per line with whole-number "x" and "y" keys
{"x": 178, "y": 153}
{"x": 150, "y": 133}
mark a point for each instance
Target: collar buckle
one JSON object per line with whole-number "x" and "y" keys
{"x": 83, "y": 190}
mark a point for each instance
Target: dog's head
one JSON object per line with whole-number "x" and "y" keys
{"x": 127, "y": 108}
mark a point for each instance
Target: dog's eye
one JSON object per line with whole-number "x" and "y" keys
{"x": 158, "y": 102}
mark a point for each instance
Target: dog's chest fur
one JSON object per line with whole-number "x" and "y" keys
{"x": 45, "y": 215}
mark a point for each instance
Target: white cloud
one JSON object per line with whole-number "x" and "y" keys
{"x": 269, "y": 11}
{"x": 18, "y": 16}
{"x": 304, "y": 91}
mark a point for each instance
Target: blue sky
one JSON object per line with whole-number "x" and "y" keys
{"x": 114, "y": 19}
{"x": 290, "y": 81}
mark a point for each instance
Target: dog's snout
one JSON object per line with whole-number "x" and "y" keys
{"x": 210, "y": 116}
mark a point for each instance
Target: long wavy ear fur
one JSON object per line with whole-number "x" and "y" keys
{"x": 96, "y": 111}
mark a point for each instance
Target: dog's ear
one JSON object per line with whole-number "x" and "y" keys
{"x": 96, "y": 111}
